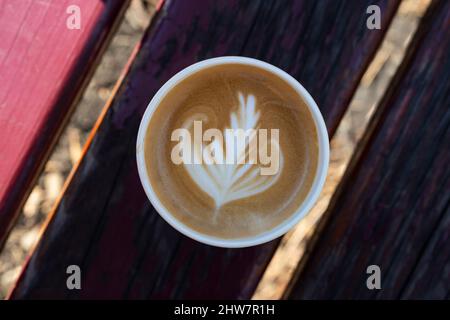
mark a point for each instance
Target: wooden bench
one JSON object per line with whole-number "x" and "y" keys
{"x": 104, "y": 223}
{"x": 44, "y": 67}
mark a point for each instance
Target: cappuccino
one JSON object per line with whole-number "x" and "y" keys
{"x": 231, "y": 151}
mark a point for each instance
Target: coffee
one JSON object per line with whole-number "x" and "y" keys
{"x": 187, "y": 143}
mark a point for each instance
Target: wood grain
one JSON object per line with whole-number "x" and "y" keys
{"x": 104, "y": 222}
{"x": 43, "y": 68}
{"x": 392, "y": 208}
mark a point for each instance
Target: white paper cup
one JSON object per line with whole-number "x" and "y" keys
{"x": 280, "y": 229}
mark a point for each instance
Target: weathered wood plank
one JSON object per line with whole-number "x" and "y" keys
{"x": 43, "y": 68}
{"x": 395, "y": 196}
{"x": 430, "y": 279}
{"x": 104, "y": 222}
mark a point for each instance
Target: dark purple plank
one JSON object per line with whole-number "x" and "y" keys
{"x": 430, "y": 279}
{"x": 395, "y": 195}
{"x": 105, "y": 224}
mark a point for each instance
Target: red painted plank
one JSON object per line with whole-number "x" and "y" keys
{"x": 392, "y": 209}
{"x": 43, "y": 67}
{"x": 104, "y": 222}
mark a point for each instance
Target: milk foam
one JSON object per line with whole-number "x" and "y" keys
{"x": 232, "y": 200}
{"x": 228, "y": 182}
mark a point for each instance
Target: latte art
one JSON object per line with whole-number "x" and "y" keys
{"x": 222, "y": 172}
{"x": 231, "y": 151}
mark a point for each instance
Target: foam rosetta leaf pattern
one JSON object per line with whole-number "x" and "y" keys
{"x": 229, "y": 182}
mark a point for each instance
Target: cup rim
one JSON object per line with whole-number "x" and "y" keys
{"x": 268, "y": 235}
